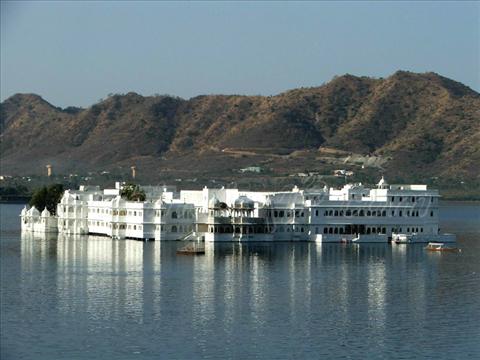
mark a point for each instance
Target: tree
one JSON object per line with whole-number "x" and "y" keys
{"x": 132, "y": 192}
{"x": 47, "y": 197}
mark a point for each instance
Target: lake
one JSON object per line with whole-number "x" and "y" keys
{"x": 94, "y": 297}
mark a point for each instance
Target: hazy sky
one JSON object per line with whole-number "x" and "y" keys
{"x": 74, "y": 53}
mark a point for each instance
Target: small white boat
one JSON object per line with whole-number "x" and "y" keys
{"x": 401, "y": 238}
{"x": 435, "y": 246}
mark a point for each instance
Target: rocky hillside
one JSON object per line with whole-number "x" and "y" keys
{"x": 408, "y": 125}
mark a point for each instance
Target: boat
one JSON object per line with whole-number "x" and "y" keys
{"x": 401, "y": 238}
{"x": 192, "y": 249}
{"x": 435, "y": 246}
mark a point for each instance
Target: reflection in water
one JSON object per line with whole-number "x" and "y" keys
{"x": 78, "y": 297}
{"x": 232, "y": 285}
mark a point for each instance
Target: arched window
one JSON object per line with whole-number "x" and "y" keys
{"x": 361, "y": 213}
{"x": 336, "y": 212}
{"x": 174, "y": 215}
{"x": 325, "y": 230}
{"x": 384, "y": 213}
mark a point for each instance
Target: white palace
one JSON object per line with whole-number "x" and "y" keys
{"x": 353, "y": 213}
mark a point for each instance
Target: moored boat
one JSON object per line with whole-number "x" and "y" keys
{"x": 435, "y": 246}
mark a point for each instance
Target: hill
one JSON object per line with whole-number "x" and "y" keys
{"x": 409, "y": 126}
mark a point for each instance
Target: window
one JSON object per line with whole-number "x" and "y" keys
{"x": 413, "y": 198}
{"x": 281, "y": 213}
{"x": 384, "y": 213}
{"x": 275, "y": 213}
{"x": 393, "y": 198}
{"x": 174, "y": 229}
{"x": 431, "y": 213}
{"x": 316, "y": 212}
{"x": 401, "y": 199}
{"x": 174, "y": 216}
{"x": 400, "y": 213}
{"x": 336, "y": 212}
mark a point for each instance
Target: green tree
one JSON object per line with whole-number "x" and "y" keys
{"x": 132, "y": 192}
{"x": 47, "y": 197}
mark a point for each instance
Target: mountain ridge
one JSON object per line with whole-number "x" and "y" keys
{"x": 418, "y": 124}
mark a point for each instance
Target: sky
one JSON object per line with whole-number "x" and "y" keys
{"x": 75, "y": 53}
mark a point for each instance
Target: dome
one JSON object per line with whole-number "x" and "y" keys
{"x": 244, "y": 202}
{"x": 24, "y": 211}
{"x": 33, "y": 211}
{"x": 45, "y": 213}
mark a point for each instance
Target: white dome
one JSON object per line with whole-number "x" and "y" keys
{"x": 33, "y": 211}
{"x": 45, "y": 213}
{"x": 24, "y": 211}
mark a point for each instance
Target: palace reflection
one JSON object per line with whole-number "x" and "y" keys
{"x": 232, "y": 284}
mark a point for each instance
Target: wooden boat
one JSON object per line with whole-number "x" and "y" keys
{"x": 433, "y": 246}
{"x": 192, "y": 249}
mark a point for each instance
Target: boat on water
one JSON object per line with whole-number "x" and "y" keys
{"x": 192, "y": 249}
{"x": 435, "y": 246}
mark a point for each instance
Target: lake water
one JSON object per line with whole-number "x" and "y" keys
{"x": 94, "y": 297}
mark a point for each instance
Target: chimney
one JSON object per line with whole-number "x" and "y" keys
{"x": 49, "y": 170}
{"x": 134, "y": 173}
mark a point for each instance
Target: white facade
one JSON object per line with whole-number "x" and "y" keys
{"x": 327, "y": 215}
{"x": 36, "y": 222}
